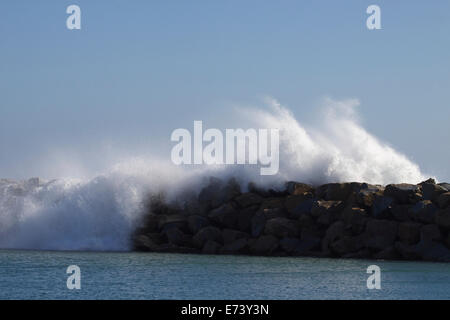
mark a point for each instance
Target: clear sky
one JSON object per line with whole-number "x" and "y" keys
{"x": 138, "y": 69}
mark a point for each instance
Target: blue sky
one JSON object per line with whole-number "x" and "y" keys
{"x": 139, "y": 69}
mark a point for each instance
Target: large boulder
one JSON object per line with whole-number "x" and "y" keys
{"x": 177, "y": 237}
{"x": 238, "y": 246}
{"x": 390, "y": 253}
{"x": 258, "y": 224}
{"x": 145, "y": 243}
{"x": 295, "y": 246}
{"x": 432, "y": 191}
{"x": 229, "y": 235}
{"x": 433, "y": 251}
{"x": 380, "y": 234}
{"x": 327, "y": 212}
{"x": 365, "y": 196}
{"x": 150, "y": 222}
{"x": 443, "y": 218}
{"x": 430, "y": 232}
{"x": 205, "y": 234}
{"x": 225, "y": 216}
{"x": 425, "y": 250}
{"x": 355, "y": 219}
{"x": 381, "y": 206}
{"x": 404, "y": 192}
{"x": 409, "y": 232}
{"x": 273, "y": 203}
{"x": 282, "y": 227}
{"x": 264, "y": 245}
{"x": 211, "y": 247}
{"x": 401, "y": 212}
{"x": 217, "y": 192}
{"x": 346, "y": 245}
{"x": 408, "y": 252}
{"x": 196, "y": 222}
{"x": 337, "y": 191}
{"x": 297, "y": 188}
{"x": 299, "y": 204}
{"x": 334, "y": 232}
{"x": 423, "y": 211}
{"x": 248, "y": 199}
{"x": 178, "y": 221}
{"x": 244, "y": 220}
{"x": 444, "y": 200}
{"x": 445, "y": 185}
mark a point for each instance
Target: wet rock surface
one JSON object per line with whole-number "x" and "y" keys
{"x": 341, "y": 220}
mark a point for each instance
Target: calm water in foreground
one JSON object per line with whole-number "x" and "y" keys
{"x": 42, "y": 275}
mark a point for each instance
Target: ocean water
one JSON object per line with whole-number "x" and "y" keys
{"x": 125, "y": 275}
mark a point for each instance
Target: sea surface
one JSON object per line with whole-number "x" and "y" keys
{"x": 125, "y": 275}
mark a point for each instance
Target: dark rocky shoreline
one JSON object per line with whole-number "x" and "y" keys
{"x": 341, "y": 220}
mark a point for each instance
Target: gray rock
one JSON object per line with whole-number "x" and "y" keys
{"x": 445, "y": 185}
{"x": 423, "y": 211}
{"x": 433, "y": 251}
{"x": 409, "y": 232}
{"x": 226, "y": 216}
{"x": 265, "y": 245}
{"x": 346, "y": 245}
{"x": 229, "y": 235}
{"x": 380, "y": 234}
{"x": 334, "y": 232}
{"x": 430, "y": 232}
{"x": 401, "y": 212}
{"x": 425, "y": 250}
{"x": 196, "y": 222}
{"x": 176, "y": 237}
{"x": 211, "y": 247}
{"x": 381, "y": 206}
{"x": 365, "y": 196}
{"x": 355, "y": 219}
{"x": 216, "y": 193}
{"x": 443, "y": 218}
{"x": 298, "y": 205}
{"x": 274, "y": 213}
{"x": 282, "y": 227}
{"x": 205, "y": 234}
{"x": 258, "y": 224}
{"x": 327, "y": 212}
{"x": 172, "y": 221}
{"x": 403, "y": 193}
{"x": 248, "y": 199}
{"x": 432, "y": 191}
{"x": 144, "y": 243}
{"x": 389, "y": 253}
{"x": 336, "y": 191}
{"x": 294, "y": 246}
{"x": 238, "y": 246}
{"x": 289, "y": 245}
{"x": 244, "y": 220}
{"x": 297, "y": 188}
{"x": 408, "y": 252}
{"x": 444, "y": 200}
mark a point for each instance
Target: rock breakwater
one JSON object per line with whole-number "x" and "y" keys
{"x": 342, "y": 220}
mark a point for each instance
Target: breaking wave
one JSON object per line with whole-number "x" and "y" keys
{"x": 101, "y": 213}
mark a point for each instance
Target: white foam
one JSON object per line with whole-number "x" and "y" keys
{"x": 100, "y": 213}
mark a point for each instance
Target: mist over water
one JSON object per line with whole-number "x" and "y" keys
{"x": 101, "y": 212}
